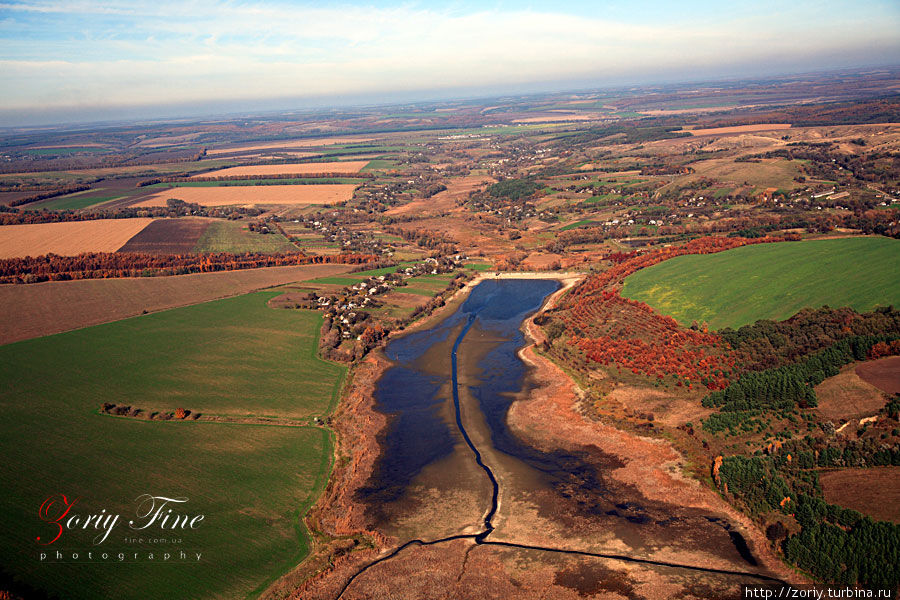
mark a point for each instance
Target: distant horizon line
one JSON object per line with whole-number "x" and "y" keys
{"x": 162, "y": 113}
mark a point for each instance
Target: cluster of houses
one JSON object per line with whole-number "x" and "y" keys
{"x": 347, "y": 309}
{"x": 346, "y": 239}
{"x": 388, "y": 194}
{"x": 508, "y": 212}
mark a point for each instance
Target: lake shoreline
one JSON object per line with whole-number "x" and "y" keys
{"x": 357, "y": 425}
{"x": 547, "y": 417}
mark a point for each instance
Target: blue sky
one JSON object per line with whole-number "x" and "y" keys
{"x": 81, "y": 55}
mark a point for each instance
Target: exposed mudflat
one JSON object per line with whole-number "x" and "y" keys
{"x": 564, "y": 486}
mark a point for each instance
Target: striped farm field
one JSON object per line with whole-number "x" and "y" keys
{"x": 771, "y": 281}
{"x": 348, "y": 166}
{"x": 69, "y": 239}
{"x": 263, "y": 194}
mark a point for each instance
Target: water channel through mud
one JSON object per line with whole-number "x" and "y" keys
{"x": 451, "y": 468}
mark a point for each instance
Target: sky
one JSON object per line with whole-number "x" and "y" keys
{"x": 81, "y": 60}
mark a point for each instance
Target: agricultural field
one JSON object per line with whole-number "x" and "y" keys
{"x": 771, "y": 281}
{"x": 295, "y": 195}
{"x": 7, "y": 197}
{"x": 883, "y": 373}
{"x": 252, "y": 182}
{"x": 28, "y": 311}
{"x": 74, "y": 201}
{"x": 577, "y": 224}
{"x": 873, "y": 492}
{"x": 309, "y": 239}
{"x": 261, "y": 152}
{"x": 380, "y": 165}
{"x": 234, "y": 236}
{"x": 304, "y": 143}
{"x": 101, "y": 194}
{"x": 479, "y": 266}
{"x": 848, "y": 396}
{"x": 426, "y": 285}
{"x": 740, "y": 129}
{"x": 237, "y": 357}
{"x": 105, "y": 235}
{"x": 168, "y": 236}
{"x": 766, "y": 173}
{"x": 349, "y": 166}
{"x": 57, "y": 177}
{"x": 550, "y": 118}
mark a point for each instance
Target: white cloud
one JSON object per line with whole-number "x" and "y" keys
{"x": 189, "y": 51}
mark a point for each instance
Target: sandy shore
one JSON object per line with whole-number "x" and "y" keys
{"x": 549, "y": 419}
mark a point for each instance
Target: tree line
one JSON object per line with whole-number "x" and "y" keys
{"x": 689, "y": 356}
{"x": 105, "y": 265}
{"x": 841, "y": 545}
{"x": 173, "y": 208}
{"x": 835, "y": 544}
{"x": 71, "y": 189}
{"x": 181, "y": 178}
{"x": 766, "y": 344}
{"x": 786, "y": 387}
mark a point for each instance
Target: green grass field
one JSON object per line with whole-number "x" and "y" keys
{"x": 336, "y": 280}
{"x": 771, "y": 281}
{"x": 418, "y": 291}
{"x": 379, "y": 165}
{"x": 426, "y": 285}
{"x": 235, "y": 356}
{"x": 231, "y": 236}
{"x": 71, "y": 202}
{"x": 478, "y": 266}
{"x": 576, "y": 224}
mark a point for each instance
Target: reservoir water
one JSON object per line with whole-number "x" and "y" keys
{"x": 451, "y": 466}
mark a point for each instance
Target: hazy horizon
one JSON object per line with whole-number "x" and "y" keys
{"x": 69, "y": 62}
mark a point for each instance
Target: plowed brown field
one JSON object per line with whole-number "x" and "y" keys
{"x": 346, "y": 166}
{"x": 874, "y": 492}
{"x": 28, "y": 311}
{"x": 883, "y": 373}
{"x": 168, "y": 236}
{"x": 68, "y": 239}
{"x": 255, "y": 194}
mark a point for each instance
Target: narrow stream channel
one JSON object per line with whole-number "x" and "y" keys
{"x": 495, "y": 486}
{"x": 411, "y": 394}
